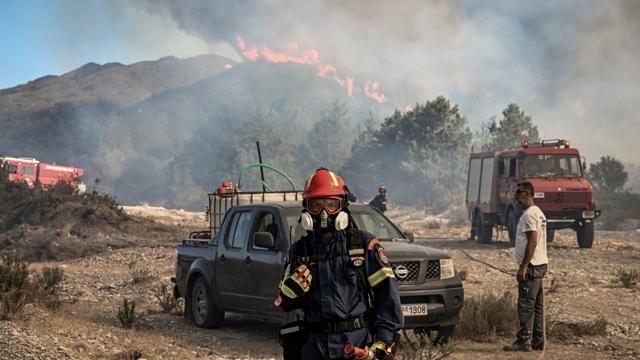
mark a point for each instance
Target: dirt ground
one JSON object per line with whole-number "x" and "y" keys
{"x": 86, "y": 327}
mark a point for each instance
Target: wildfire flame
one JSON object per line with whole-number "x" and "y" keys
{"x": 307, "y": 57}
{"x": 371, "y": 90}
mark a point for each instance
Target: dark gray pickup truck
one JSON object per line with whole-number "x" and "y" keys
{"x": 239, "y": 268}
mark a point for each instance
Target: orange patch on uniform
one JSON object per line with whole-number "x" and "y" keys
{"x": 373, "y": 244}
{"x": 382, "y": 256}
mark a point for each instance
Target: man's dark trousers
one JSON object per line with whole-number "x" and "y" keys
{"x": 530, "y": 305}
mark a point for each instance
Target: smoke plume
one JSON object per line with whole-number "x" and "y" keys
{"x": 573, "y": 65}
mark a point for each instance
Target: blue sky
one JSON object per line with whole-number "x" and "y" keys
{"x": 40, "y": 37}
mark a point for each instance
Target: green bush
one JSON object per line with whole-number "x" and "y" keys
{"x": 167, "y": 302}
{"x": 127, "y": 314}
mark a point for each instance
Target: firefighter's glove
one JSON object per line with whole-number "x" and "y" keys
{"x": 297, "y": 283}
{"x": 381, "y": 349}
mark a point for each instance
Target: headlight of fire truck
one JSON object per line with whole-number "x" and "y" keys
{"x": 447, "y": 271}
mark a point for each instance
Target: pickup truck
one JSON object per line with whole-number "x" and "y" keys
{"x": 238, "y": 268}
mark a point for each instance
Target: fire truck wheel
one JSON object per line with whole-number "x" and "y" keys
{"x": 204, "y": 312}
{"x": 484, "y": 230}
{"x": 550, "y": 234}
{"x": 511, "y": 227}
{"x": 585, "y": 234}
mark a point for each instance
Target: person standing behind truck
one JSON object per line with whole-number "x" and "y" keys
{"x": 531, "y": 255}
{"x": 380, "y": 201}
{"x": 341, "y": 278}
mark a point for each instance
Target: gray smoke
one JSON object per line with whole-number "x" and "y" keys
{"x": 573, "y": 65}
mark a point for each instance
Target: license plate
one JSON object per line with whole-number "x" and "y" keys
{"x": 414, "y": 309}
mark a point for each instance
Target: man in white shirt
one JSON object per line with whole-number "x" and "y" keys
{"x": 531, "y": 255}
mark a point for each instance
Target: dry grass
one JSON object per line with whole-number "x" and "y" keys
{"x": 567, "y": 330}
{"x": 628, "y": 278}
{"x": 168, "y": 216}
{"x": 486, "y": 317}
{"x": 131, "y": 354}
{"x": 138, "y": 275}
{"x": 424, "y": 346}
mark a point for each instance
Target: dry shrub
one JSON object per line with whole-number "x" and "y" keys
{"x": 567, "y": 330}
{"x": 138, "y": 275}
{"x": 49, "y": 278}
{"x": 127, "y": 314}
{"x": 628, "y": 278}
{"x": 15, "y": 290}
{"x": 486, "y": 317}
{"x": 424, "y": 346}
{"x": 132, "y": 354}
{"x": 166, "y": 300}
{"x": 46, "y": 282}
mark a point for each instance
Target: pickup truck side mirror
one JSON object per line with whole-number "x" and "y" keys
{"x": 264, "y": 240}
{"x": 409, "y": 236}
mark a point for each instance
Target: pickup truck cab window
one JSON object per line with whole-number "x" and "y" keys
{"x": 266, "y": 223}
{"x": 239, "y": 230}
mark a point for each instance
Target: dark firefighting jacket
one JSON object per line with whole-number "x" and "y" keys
{"x": 379, "y": 202}
{"x": 335, "y": 296}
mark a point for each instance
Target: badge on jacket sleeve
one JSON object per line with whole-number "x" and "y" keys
{"x": 382, "y": 256}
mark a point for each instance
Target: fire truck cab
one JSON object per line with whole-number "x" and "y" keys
{"x": 557, "y": 173}
{"x": 32, "y": 171}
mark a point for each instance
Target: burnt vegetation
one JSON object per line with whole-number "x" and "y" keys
{"x": 60, "y": 222}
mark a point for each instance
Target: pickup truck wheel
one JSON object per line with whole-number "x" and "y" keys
{"x": 444, "y": 333}
{"x": 551, "y": 233}
{"x": 585, "y": 232}
{"x": 512, "y": 225}
{"x": 204, "y": 312}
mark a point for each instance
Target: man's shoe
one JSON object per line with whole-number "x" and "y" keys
{"x": 537, "y": 345}
{"x": 518, "y": 346}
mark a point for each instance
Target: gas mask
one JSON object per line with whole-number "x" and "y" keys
{"x": 324, "y": 222}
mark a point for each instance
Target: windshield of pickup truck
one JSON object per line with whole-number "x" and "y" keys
{"x": 367, "y": 219}
{"x": 552, "y": 165}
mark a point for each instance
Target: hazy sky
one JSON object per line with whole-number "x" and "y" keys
{"x": 43, "y": 37}
{"x": 573, "y": 65}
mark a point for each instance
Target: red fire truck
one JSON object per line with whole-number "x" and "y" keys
{"x": 33, "y": 171}
{"x": 557, "y": 173}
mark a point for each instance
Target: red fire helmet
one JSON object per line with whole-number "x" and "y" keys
{"x": 324, "y": 184}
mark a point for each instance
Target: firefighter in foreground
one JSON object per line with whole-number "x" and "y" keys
{"x": 531, "y": 254}
{"x": 340, "y": 277}
{"x": 380, "y": 201}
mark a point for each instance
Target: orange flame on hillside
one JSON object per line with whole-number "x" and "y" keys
{"x": 371, "y": 90}
{"x": 306, "y": 57}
